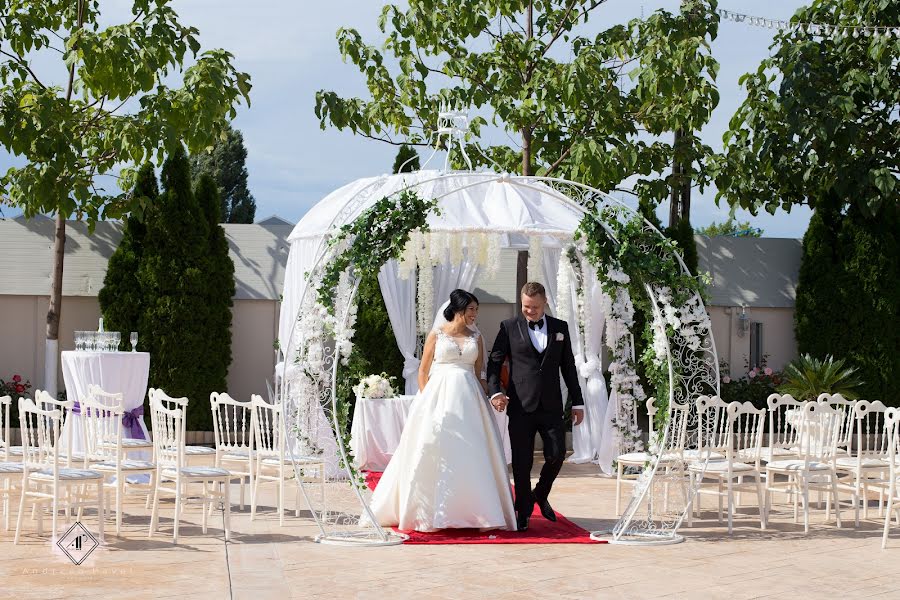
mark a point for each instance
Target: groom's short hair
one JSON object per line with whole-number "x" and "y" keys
{"x": 533, "y": 288}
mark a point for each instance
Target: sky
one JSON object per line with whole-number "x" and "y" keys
{"x": 289, "y": 49}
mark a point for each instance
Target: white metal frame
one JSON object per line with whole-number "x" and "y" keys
{"x": 697, "y": 370}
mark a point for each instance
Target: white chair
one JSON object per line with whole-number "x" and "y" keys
{"x": 101, "y": 418}
{"x": 712, "y": 426}
{"x": 892, "y": 417}
{"x": 273, "y": 461}
{"x": 173, "y": 475}
{"x": 743, "y": 441}
{"x": 190, "y": 452}
{"x": 234, "y": 435}
{"x": 783, "y": 435}
{"x": 634, "y": 460}
{"x": 848, "y": 422}
{"x": 869, "y": 459}
{"x": 712, "y": 430}
{"x": 813, "y": 469}
{"x": 671, "y": 451}
{"x": 43, "y": 478}
{"x": 10, "y": 470}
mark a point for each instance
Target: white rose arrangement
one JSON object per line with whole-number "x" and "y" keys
{"x": 375, "y": 386}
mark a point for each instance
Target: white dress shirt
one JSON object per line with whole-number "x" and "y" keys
{"x": 538, "y": 335}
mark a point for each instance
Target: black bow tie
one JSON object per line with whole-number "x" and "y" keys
{"x": 539, "y": 324}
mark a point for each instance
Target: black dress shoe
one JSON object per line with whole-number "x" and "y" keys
{"x": 546, "y": 510}
{"x": 521, "y": 521}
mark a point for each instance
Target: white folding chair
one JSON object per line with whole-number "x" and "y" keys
{"x": 173, "y": 475}
{"x": 273, "y": 461}
{"x": 234, "y": 435}
{"x": 743, "y": 440}
{"x": 101, "y": 417}
{"x": 10, "y": 470}
{"x": 813, "y": 469}
{"x": 44, "y": 480}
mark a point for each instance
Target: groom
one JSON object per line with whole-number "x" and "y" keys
{"x": 539, "y": 349}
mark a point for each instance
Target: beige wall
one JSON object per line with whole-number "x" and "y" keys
{"x": 778, "y": 336}
{"x": 22, "y": 332}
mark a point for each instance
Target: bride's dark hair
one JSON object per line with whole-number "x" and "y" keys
{"x": 459, "y": 302}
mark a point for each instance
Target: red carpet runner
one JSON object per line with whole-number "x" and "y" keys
{"x": 540, "y": 531}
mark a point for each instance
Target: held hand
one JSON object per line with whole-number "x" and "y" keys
{"x": 499, "y": 403}
{"x": 577, "y": 416}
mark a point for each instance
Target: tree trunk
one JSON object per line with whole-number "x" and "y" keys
{"x": 51, "y": 347}
{"x": 677, "y": 187}
{"x": 51, "y": 351}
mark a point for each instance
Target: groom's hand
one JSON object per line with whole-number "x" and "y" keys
{"x": 577, "y": 416}
{"x": 499, "y": 402}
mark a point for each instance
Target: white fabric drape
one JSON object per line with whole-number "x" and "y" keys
{"x": 300, "y": 260}
{"x": 591, "y": 367}
{"x": 448, "y": 277}
{"x": 550, "y": 270}
{"x": 400, "y": 300}
{"x": 609, "y": 438}
{"x": 567, "y": 300}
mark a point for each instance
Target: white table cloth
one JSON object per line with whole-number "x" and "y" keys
{"x": 114, "y": 372}
{"x": 378, "y": 424}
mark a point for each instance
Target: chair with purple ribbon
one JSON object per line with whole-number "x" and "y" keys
{"x": 103, "y": 420}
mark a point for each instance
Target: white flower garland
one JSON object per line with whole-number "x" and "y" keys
{"x": 425, "y": 297}
{"x": 624, "y": 380}
{"x": 535, "y": 271}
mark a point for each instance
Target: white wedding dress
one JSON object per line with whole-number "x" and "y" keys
{"x": 449, "y": 469}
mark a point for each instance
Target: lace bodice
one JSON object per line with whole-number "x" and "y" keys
{"x": 456, "y": 351}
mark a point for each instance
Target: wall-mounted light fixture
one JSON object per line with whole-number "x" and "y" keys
{"x": 743, "y": 325}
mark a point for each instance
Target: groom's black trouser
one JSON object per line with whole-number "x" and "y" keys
{"x": 522, "y": 427}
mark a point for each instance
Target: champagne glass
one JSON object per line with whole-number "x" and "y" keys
{"x": 133, "y": 340}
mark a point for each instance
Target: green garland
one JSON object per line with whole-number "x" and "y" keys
{"x": 648, "y": 258}
{"x": 376, "y": 236}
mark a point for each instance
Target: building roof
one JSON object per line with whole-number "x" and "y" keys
{"x": 259, "y": 252}
{"x": 759, "y": 272}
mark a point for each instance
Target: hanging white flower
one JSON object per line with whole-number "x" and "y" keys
{"x": 406, "y": 264}
{"x": 480, "y": 243}
{"x": 535, "y": 258}
{"x": 564, "y": 278}
{"x": 493, "y": 253}
{"x": 456, "y": 247}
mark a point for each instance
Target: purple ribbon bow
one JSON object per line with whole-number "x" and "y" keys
{"x": 131, "y": 420}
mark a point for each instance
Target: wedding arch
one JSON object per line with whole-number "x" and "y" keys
{"x": 591, "y": 250}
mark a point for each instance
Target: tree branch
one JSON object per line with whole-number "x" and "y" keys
{"x": 559, "y": 28}
{"x": 24, "y": 63}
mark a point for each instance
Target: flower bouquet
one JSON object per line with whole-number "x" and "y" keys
{"x": 375, "y": 386}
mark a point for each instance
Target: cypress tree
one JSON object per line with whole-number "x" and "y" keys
{"x": 226, "y": 162}
{"x": 848, "y": 294}
{"x": 173, "y": 281}
{"x": 121, "y": 299}
{"x": 219, "y": 273}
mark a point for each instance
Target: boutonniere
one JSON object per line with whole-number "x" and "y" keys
{"x": 560, "y": 337}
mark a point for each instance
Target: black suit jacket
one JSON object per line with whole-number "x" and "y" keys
{"x": 534, "y": 379}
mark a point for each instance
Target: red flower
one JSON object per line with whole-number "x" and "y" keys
{"x": 17, "y": 378}
{"x": 20, "y": 388}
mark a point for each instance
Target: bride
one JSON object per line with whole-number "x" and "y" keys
{"x": 448, "y": 470}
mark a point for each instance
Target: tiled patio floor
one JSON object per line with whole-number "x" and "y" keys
{"x": 264, "y": 560}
